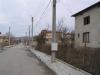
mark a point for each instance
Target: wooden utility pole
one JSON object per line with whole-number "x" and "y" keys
{"x": 54, "y": 41}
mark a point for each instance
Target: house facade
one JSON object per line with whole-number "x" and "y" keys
{"x": 48, "y": 36}
{"x": 4, "y": 39}
{"x": 87, "y": 27}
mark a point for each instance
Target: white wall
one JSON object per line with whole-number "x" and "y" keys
{"x": 93, "y": 28}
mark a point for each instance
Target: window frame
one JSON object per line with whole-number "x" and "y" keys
{"x": 86, "y": 37}
{"x": 86, "y": 20}
{"x": 78, "y": 35}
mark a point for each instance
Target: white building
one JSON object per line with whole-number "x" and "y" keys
{"x": 87, "y": 27}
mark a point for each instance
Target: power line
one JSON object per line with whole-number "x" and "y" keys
{"x": 66, "y": 8}
{"x": 70, "y": 11}
{"x": 43, "y": 12}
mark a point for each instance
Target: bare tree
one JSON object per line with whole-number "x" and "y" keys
{"x": 67, "y": 36}
{"x": 72, "y": 39}
{"x": 61, "y": 27}
{"x": 40, "y": 40}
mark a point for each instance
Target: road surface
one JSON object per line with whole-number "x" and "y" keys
{"x": 19, "y": 61}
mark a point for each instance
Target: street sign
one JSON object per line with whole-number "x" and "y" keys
{"x": 54, "y": 46}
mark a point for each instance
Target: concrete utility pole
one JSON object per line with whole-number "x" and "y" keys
{"x": 54, "y": 41}
{"x": 32, "y": 30}
{"x": 9, "y": 36}
{"x": 29, "y": 35}
{"x": 26, "y": 39}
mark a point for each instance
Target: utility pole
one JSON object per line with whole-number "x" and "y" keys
{"x": 29, "y": 36}
{"x": 54, "y": 41}
{"x": 32, "y": 30}
{"x": 26, "y": 39}
{"x": 9, "y": 35}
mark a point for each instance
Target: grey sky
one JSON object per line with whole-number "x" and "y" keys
{"x": 18, "y": 13}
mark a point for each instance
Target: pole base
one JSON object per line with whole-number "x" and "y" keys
{"x": 53, "y": 56}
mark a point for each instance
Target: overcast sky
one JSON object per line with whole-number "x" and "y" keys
{"x": 18, "y": 13}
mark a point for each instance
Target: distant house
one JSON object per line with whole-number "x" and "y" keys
{"x": 48, "y": 36}
{"x": 3, "y": 39}
{"x": 62, "y": 38}
{"x": 87, "y": 27}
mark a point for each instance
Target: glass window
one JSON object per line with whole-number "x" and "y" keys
{"x": 86, "y": 20}
{"x": 86, "y": 38}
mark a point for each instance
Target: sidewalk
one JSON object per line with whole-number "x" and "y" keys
{"x": 59, "y": 67}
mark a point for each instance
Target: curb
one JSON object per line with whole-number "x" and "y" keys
{"x": 43, "y": 62}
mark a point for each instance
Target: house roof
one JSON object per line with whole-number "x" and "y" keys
{"x": 48, "y": 31}
{"x": 86, "y": 9}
